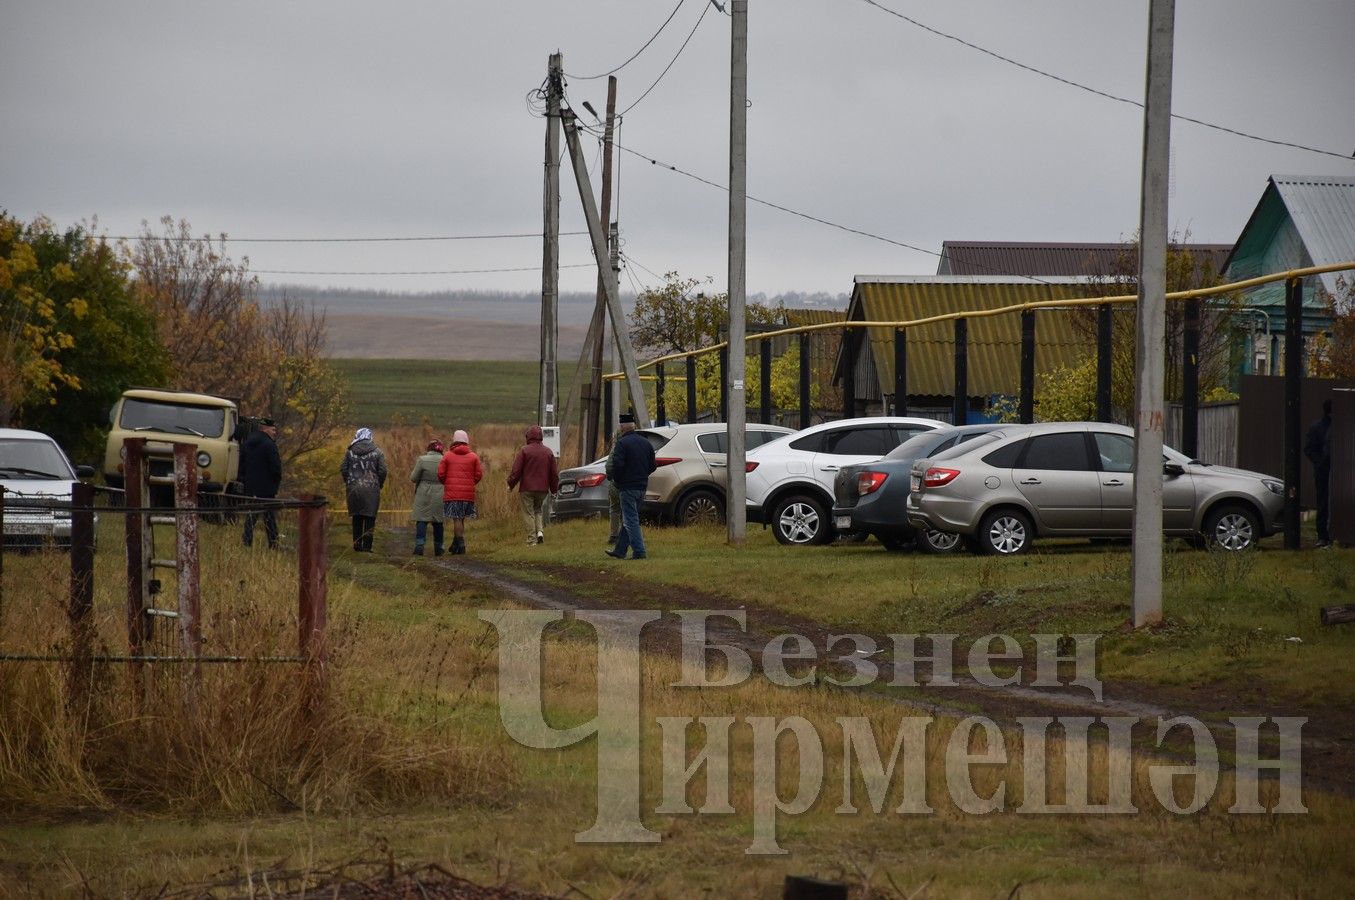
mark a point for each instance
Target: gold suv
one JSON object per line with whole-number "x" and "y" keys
{"x": 687, "y": 487}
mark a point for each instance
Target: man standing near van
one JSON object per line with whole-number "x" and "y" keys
{"x": 261, "y": 472}
{"x": 631, "y": 467}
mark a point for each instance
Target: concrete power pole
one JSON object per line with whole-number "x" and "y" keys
{"x": 736, "y": 491}
{"x": 600, "y": 252}
{"x": 591, "y": 408}
{"x": 548, "y": 395}
{"x": 1150, "y": 348}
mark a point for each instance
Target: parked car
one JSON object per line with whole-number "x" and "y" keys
{"x": 790, "y": 480}
{"x": 36, "y": 476}
{"x": 1074, "y": 479}
{"x": 872, "y": 498}
{"x": 687, "y": 487}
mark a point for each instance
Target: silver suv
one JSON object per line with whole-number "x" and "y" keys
{"x": 1073, "y": 479}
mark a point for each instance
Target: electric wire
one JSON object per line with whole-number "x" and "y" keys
{"x": 803, "y": 215}
{"x": 705, "y": 9}
{"x": 1091, "y": 90}
{"x": 536, "y": 268}
{"x": 332, "y": 240}
{"x": 642, "y": 49}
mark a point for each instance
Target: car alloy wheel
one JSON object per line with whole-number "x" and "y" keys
{"x": 1233, "y": 530}
{"x": 701, "y": 508}
{"x": 933, "y": 541}
{"x": 801, "y": 520}
{"x": 1005, "y": 533}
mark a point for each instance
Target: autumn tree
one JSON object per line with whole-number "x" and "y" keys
{"x": 675, "y": 316}
{"x": 222, "y": 340}
{"x": 1332, "y": 355}
{"x": 1070, "y": 392}
{"x": 73, "y": 333}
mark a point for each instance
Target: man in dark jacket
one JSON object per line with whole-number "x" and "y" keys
{"x": 1317, "y": 447}
{"x": 631, "y": 467}
{"x": 261, "y": 472}
{"x": 536, "y": 474}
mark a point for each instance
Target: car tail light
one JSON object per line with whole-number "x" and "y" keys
{"x": 748, "y": 467}
{"x": 869, "y": 482}
{"x": 937, "y": 476}
{"x": 661, "y": 461}
{"x": 592, "y": 480}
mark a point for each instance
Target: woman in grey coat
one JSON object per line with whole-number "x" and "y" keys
{"x": 427, "y": 499}
{"x": 364, "y": 472}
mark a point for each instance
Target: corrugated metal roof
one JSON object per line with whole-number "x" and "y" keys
{"x": 994, "y": 346}
{"x": 1323, "y": 211}
{"x": 1032, "y": 259}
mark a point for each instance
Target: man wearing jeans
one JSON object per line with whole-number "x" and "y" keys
{"x": 631, "y": 467}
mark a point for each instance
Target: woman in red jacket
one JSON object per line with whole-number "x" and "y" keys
{"x": 460, "y": 471}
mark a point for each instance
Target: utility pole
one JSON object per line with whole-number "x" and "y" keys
{"x": 600, "y": 252}
{"x": 547, "y": 396}
{"x": 736, "y": 491}
{"x": 1151, "y": 316}
{"x": 590, "y": 409}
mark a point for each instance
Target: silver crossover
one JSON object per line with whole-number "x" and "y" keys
{"x": 1074, "y": 479}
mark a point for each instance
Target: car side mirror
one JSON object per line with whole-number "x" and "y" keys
{"x": 1173, "y": 469}
{"x": 84, "y": 472}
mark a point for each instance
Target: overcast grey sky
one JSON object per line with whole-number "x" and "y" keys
{"x": 342, "y": 119}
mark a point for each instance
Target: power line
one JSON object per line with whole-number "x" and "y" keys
{"x": 1091, "y": 90}
{"x": 332, "y": 240}
{"x": 705, "y": 9}
{"x": 830, "y": 224}
{"x": 536, "y": 268}
{"x": 636, "y": 53}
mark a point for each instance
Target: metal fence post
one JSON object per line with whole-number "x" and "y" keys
{"x": 607, "y": 412}
{"x": 849, "y": 351}
{"x": 691, "y": 388}
{"x": 805, "y": 411}
{"x": 1190, "y": 381}
{"x": 660, "y": 403}
{"x": 1027, "y": 401}
{"x": 724, "y": 384}
{"x": 1104, "y": 323}
{"x": 1293, "y": 395}
{"x": 764, "y": 349}
{"x": 901, "y": 372}
{"x": 960, "y": 407}
{"x": 81, "y": 607}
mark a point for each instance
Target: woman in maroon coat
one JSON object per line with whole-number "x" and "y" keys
{"x": 460, "y": 471}
{"x": 536, "y": 475}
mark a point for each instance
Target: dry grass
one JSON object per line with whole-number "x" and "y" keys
{"x": 409, "y": 758}
{"x": 240, "y": 739}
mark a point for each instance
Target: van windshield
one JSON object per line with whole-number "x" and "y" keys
{"x": 175, "y": 418}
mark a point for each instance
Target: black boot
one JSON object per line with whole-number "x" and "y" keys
{"x": 458, "y": 546}
{"x": 418, "y": 549}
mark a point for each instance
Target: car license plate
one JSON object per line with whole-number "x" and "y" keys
{"x": 26, "y": 528}
{"x": 842, "y": 521}
{"x": 915, "y": 483}
{"x": 569, "y": 488}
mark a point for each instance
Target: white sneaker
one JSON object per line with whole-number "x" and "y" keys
{"x": 541, "y": 537}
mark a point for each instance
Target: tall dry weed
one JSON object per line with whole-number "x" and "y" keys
{"x": 241, "y": 737}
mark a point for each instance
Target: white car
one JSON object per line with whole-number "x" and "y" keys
{"x": 790, "y": 480}
{"x": 36, "y": 476}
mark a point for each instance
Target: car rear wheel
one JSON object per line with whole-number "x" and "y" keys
{"x": 1232, "y": 528}
{"x": 801, "y": 519}
{"x": 1004, "y": 532}
{"x": 932, "y": 541}
{"x": 700, "y": 508}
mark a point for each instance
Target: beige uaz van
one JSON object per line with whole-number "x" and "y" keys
{"x": 165, "y": 417}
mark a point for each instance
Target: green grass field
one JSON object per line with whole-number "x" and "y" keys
{"x": 449, "y": 393}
